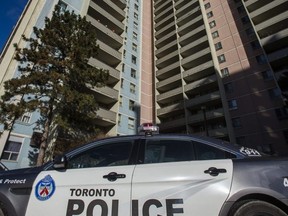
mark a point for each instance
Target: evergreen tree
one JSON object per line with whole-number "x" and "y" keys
{"x": 55, "y": 78}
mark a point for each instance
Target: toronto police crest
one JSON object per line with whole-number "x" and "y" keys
{"x": 45, "y": 188}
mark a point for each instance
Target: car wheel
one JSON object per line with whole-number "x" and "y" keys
{"x": 256, "y": 208}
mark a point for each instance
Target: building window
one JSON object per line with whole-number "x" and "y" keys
{"x": 121, "y": 101}
{"x": 274, "y": 93}
{"x": 131, "y": 123}
{"x": 215, "y": 34}
{"x": 135, "y": 35}
{"x": 11, "y": 151}
{"x": 207, "y": 5}
{"x": 119, "y": 119}
{"x": 250, "y": 32}
{"x": 225, "y": 72}
{"x": 267, "y": 75}
{"x": 124, "y": 53}
{"x": 228, "y": 87}
{"x": 136, "y": 7}
{"x": 212, "y": 24}
{"x": 133, "y": 59}
{"x": 261, "y": 59}
{"x": 136, "y": 16}
{"x": 132, "y": 88}
{"x": 232, "y": 104}
{"x": 210, "y": 14}
{"x": 245, "y": 20}
{"x": 135, "y": 25}
{"x": 62, "y": 5}
{"x": 133, "y": 73}
{"x": 122, "y": 82}
{"x": 241, "y": 9}
{"x": 236, "y": 122}
{"x": 134, "y": 47}
{"x": 131, "y": 105}
{"x": 255, "y": 45}
{"x": 221, "y": 58}
{"x": 26, "y": 117}
{"x": 218, "y": 46}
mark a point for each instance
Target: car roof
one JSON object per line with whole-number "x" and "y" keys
{"x": 233, "y": 148}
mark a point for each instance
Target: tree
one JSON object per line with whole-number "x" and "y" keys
{"x": 55, "y": 78}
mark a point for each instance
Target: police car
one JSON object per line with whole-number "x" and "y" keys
{"x": 156, "y": 175}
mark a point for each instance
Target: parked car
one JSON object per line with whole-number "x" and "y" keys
{"x": 171, "y": 175}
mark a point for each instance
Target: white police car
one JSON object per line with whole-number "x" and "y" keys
{"x": 158, "y": 175}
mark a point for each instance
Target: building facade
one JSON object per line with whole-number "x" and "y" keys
{"x": 192, "y": 66}
{"x": 217, "y": 66}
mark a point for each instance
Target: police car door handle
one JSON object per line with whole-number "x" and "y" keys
{"x": 113, "y": 176}
{"x": 213, "y": 171}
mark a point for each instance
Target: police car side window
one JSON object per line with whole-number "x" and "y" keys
{"x": 161, "y": 151}
{"x": 206, "y": 152}
{"x": 112, "y": 154}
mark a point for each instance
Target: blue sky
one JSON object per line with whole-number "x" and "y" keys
{"x": 10, "y": 11}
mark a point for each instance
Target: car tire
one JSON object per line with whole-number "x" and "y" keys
{"x": 256, "y": 208}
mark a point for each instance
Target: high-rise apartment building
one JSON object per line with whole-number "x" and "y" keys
{"x": 217, "y": 64}
{"x": 206, "y": 67}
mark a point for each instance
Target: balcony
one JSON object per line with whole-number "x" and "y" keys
{"x": 196, "y": 101}
{"x": 199, "y": 117}
{"x": 106, "y": 18}
{"x": 113, "y": 8}
{"x": 108, "y": 55}
{"x": 168, "y": 60}
{"x": 106, "y": 118}
{"x": 164, "y": 13}
{"x": 219, "y": 132}
{"x": 170, "y": 96}
{"x": 182, "y": 3}
{"x": 275, "y": 41}
{"x": 195, "y": 46}
{"x": 170, "y": 109}
{"x": 192, "y": 36}
{"x": 170, "y": 83}
{"x": 165, "y": 50}
{"x": 198, "y": 58}
{"x": 268, "y": 11}
{"x": 120, "y": 3}
{"x": 200, "y": 83}
{"x": 190, "y": 6}
{"x": 160, "y": 8}
{"x": 114, "y": 75}
{"x": 173, "y": 123}
{"x": 164, "y": 22}
{"x": 169, "y": 71}
{"x": 191, "y": 24}
{"x": 106, "y": 95}
{"x": 106, "y": 34}
{"x": 166, "y": 39}
{"x": 165, "y": 30}
{"x": 272, "y": 26}
{"x": 198, "y": 72}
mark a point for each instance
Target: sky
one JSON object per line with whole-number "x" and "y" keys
{"x": 10, "y": 11}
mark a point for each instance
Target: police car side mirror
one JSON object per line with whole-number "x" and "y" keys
{"x": 60, "y": 162}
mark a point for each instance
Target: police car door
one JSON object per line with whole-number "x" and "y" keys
{"x": 171, "y": 182}
{"x": 96, "y": 182}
